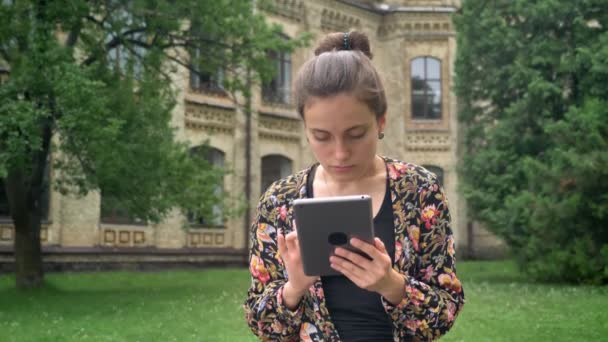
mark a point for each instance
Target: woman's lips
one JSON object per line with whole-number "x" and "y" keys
{"x": 342, "y": 168}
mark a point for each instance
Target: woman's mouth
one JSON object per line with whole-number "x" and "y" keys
{"x": 342, "y": 169}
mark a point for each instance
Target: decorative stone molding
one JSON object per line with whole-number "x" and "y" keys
{"x": 205, "y": 238}
{"x": 279, "y": 129}
{"x": 290, "y": 9}
{"x": 7, "y": 234}
{"x": 416, "y": 24}
{"x": 208, "y": 118}
{"x": 332, "y": 20}
{"x": 124, "y": 237}
{"x": 427, "y": 141}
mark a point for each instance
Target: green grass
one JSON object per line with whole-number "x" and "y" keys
{"x": 206, "y": 306}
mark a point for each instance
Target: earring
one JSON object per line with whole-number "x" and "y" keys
{"x": 381, "y": 135}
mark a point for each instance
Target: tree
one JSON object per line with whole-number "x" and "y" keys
{"x": 531, "y": 86}
{"x": 91, "y": 88}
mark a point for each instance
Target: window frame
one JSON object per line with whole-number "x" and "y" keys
{"x": 218, "y": 210}
{"x": 427, "y": 95}
{"x": 278, "y": 89}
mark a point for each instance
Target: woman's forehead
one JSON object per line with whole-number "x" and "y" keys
{"x": 341, "y": 107}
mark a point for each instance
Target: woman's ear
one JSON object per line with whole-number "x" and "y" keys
{"x": 381, "y": 123}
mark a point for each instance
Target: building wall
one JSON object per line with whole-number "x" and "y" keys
{"x": 414, "y": 29}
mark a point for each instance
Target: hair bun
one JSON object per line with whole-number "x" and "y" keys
{"x": 357, "y": 41}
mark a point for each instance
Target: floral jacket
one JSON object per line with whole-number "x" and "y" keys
{"x": 424, "y": 254}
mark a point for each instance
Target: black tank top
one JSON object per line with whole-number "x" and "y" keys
{"x": 358, "y": 314}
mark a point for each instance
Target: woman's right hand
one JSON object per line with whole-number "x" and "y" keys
{"x": 297, "y": 282}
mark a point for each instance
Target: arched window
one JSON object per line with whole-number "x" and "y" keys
{"x": 278, "y": 89}
{"x": 437, "y": 171}
{"x": 216, "y": 158}
{"x": 125, "y": 56}
{"x": 426, "y": 88}
{"x": 274, "y": 167}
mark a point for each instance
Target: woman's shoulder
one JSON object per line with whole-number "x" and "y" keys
{"x": 288, "y": 188}
{"x": 401, "y": 171}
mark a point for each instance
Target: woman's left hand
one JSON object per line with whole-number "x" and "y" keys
{"x": 375, "y": 275}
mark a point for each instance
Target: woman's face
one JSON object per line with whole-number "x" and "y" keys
{"x": 343, "y": 135}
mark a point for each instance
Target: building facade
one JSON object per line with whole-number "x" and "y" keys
{"x": 414, "y": 46}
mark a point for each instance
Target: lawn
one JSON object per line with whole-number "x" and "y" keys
{"x": 205, "y": 305}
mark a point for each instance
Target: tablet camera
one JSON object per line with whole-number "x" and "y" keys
{"x": 337, "y": 239}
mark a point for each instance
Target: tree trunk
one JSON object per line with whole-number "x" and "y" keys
{"x": 25, "y": 213}
{"x": 28, "y": 256}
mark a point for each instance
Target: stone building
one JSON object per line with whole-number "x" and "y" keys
{"x": 414, "y": 47}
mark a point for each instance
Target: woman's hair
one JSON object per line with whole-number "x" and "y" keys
{"x": 342, "y": 65}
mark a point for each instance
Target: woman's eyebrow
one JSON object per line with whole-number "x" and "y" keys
{"x": 347, "y": 130}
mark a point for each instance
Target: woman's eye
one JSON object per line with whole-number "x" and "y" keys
{"x": 357, "y": 135}
{"x": 321, "y": 137}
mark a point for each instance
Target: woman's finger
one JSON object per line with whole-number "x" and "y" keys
{"x": 348, "y": 269}
{"x": 281, "y": 243}
{"x": 292, "y": 242}
{"x": 367, "y": 248}
{"x": 353, "y": 257}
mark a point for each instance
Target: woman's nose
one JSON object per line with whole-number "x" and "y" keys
{"x": 342, "y": 150}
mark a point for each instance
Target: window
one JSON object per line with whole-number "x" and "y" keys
{"x": 126, "y": 57}
{"x": 437, "y": 171}
{"x": 278, "y": 89}
{"x": 202, "y": 80}
{"x": 216, "y": 158}
{"x": 426, "y": 88}
{"x": 112, "y": 211}
{"x": 274, "y": 167}
{"x": 5, "y": 213}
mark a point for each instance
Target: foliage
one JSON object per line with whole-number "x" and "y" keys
{"x": 530, "y": 82}
{"x": 92, "y": 86}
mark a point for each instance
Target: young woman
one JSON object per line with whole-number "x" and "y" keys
{"x": 409, "y": 290}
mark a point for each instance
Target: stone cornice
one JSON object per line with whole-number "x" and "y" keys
{"x": 356, "y": 12}
{"x": 416, "y": 25}
{"x": 276, "y": 128}
{"x": 209, "y": 118}
{"x": 290, "y": 9}
{"x": 332, "y": 20}
{"x": 427, "y": 141}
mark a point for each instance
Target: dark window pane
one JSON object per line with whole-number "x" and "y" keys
{"x": 216, "y": 158}
{"x": 278, "y": 90}
{"x": 426, "y": 88}
{"x": 434, "y": 88}
{"x": 274, "y": 167}
{"x": 419, "y": 105}
{"x": 437, "y": 171}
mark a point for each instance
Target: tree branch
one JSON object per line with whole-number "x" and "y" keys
{"x": 73, "y": 35}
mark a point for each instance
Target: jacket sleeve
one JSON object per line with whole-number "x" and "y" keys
{"x": 433, "y": 293}
{"x": 265, "y": 312}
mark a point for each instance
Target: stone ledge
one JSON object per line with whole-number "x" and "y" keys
{"x": 58, "y": 259}
{"x": 56, "y": 250}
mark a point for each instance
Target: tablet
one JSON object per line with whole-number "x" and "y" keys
{"x": 328, "y": 222}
